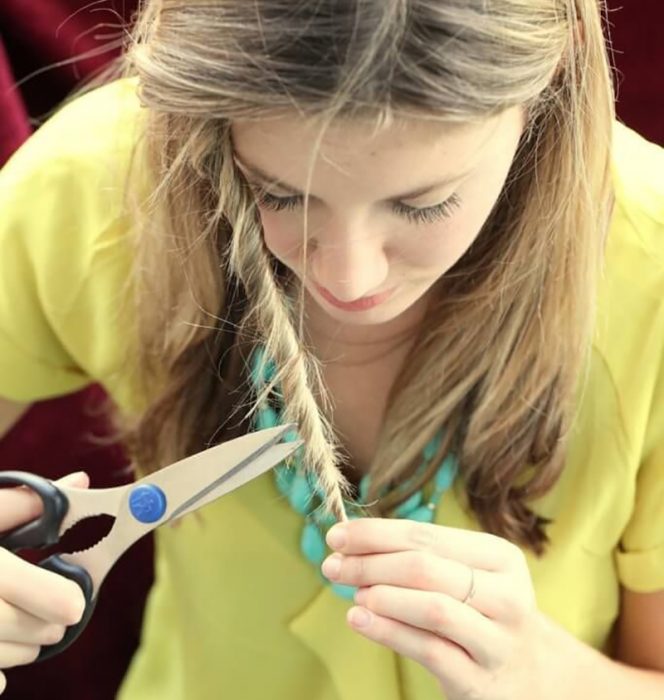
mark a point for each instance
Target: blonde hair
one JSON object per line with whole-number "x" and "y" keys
{"x": 500, "y": 356}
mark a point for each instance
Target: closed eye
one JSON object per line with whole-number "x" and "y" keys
{"x": 413, "y": 214}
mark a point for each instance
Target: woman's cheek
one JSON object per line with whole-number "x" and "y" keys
{"x": 283, "y": 238}
{"x": 441, "y": 244}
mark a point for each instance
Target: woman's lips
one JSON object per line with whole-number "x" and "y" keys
{"x": 359, "y": 304}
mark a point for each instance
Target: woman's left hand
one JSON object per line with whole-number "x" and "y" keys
{"x": 413, "y": 579}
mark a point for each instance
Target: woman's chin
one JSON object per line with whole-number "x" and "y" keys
{"x": 370, "y": 317}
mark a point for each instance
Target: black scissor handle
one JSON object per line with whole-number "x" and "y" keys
{"x": 82, "y": 577}
{"x": 43, "y": 531}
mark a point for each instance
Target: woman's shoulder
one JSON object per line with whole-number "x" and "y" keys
{"x": 102, "y": 120}
{"x": 83, "y": 152}
{"x": 633, "y": 274}
{"x": 636, "y": 238}
{"x": 65, "y": 235}
{"x": 629, "y": 335}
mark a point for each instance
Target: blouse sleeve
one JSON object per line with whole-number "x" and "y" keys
{"x": 640, "y": 558}
{"x": 63, "y": 252}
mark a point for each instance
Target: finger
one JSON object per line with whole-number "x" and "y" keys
{"x": 41, "y": 593}
{"x": 19, "y": 627}
{"x": 78, "y": 480}
{"x": 446, "y": 617}
{"x": 17, "y": 654}
{"x": 3, "y": 683}
{"x": 480, "y": 550}
{"x": 21, "y": 504}
{"x": 447, "y": 661}
{"x": 421, "y": 571}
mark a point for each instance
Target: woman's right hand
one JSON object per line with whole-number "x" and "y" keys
{"x": 36, "y": 606}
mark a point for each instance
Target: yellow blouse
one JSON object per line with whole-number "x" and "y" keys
{"x": 235, "y": 610}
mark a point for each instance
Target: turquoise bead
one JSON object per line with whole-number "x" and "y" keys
{"x": 300, "y": 495}
{"x": 422, "y": 515}
{"x": 314, "y": 485}
{"x": 284, "y": 477}
{"x": 411, "y": 503}
{"x": 430, "y": 449}
{"x": 306, "y": 496}
{"x": 327, "y": 521}
{"x": 324, "y": 520}
{"x": 267, "y": 418}
{"x": 269, "y": 367}
{"x": 447, "y": 473}
{"x": 347, "y": 592}
{"x": 313, "y": 544}
{"x": 291, "y": 436}
{"x": 364, "y": 488}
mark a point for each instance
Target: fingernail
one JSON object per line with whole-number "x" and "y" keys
{"x": 359, "y": 617}
{"x": 360, "y": 596}
{"x": 332, "y": 566}
{"x": 336, "y": 537}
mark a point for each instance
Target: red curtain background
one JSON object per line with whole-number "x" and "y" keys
{"x": 55, "y": 437}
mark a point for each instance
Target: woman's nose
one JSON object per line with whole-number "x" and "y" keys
{"x": 351, "y": 269}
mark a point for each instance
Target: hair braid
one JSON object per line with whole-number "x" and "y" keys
{"x": 271, "y": 316}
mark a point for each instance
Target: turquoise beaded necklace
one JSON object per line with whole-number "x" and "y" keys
{"x": 305, "y": 495}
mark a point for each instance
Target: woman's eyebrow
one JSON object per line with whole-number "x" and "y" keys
{"x": 273, "y": 180}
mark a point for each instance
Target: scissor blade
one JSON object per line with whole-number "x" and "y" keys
{"x": 219, "y": 469}
{"x": 187, "y": 485}
{"x": 258, "y": 466}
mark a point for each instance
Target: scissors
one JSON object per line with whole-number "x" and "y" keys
{"x": 138, "y": 508}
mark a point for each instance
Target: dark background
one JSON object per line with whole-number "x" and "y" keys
{"x": 38, "y": 39}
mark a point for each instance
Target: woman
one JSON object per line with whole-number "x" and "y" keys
{"x": 417, "y": 230}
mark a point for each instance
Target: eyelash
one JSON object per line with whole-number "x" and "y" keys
{"x": 418, "y": 216}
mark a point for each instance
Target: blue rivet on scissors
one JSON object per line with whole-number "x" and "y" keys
{"x": 147, "y": 503}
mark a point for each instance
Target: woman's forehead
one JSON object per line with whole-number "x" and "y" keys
{"x": 284, "y": 147}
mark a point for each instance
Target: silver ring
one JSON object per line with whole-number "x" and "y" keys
{"x": 471, "y": 589}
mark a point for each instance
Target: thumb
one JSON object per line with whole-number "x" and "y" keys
{"x": 21, "y": 505}
{"x": 78, "y": 480}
